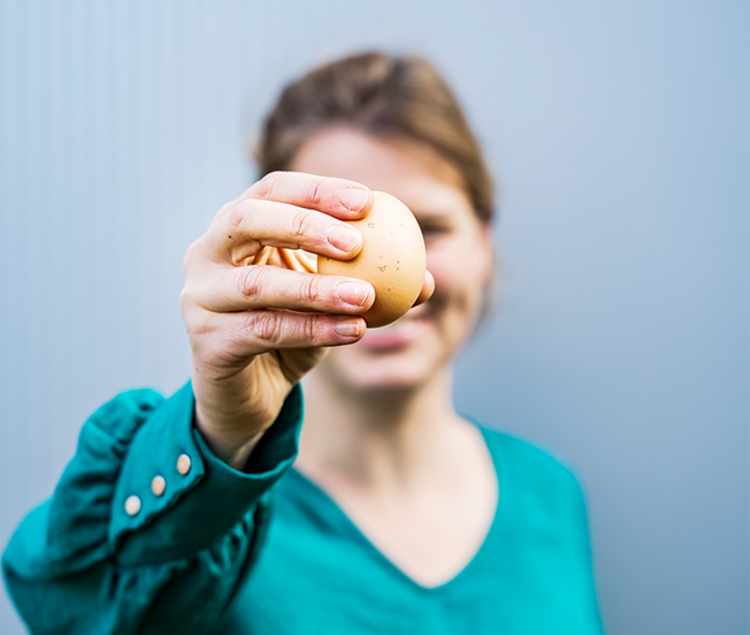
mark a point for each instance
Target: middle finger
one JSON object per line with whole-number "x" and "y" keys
{"x": 253, "y": 224}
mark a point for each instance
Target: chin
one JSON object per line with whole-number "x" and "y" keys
{"x": 381, "y": 378}
{"x": 386, "y": 362}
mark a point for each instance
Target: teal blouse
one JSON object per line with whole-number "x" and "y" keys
{"x": 223, "y": 551}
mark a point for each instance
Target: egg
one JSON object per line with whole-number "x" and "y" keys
{"x": 393, "y": 259}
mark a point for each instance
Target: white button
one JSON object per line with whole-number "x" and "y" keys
{"x": 183, "y": 464}
{"x": 132, "y": 505}
{"x": 158, "y": 485}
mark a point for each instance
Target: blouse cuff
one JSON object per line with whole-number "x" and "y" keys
{"x": 174, "y": 496}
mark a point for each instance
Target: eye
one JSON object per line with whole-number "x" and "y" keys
{"x": 434, "y": 229}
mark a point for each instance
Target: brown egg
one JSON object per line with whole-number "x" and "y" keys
{"x": 392, "y": 260}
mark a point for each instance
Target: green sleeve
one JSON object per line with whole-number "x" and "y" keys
{"x": 80, "y": 563}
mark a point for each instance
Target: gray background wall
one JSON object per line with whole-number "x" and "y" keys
{"x": 621, "y": 341}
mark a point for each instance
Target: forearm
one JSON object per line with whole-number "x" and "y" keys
{"x": 91, "y": 561}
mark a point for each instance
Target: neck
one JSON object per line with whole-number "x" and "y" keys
{"x": 366, "y": 437}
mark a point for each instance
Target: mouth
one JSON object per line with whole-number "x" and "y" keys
{"x": 397, "y": 335}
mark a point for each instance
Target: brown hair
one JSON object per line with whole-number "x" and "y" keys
{"x": 382, "y": 95}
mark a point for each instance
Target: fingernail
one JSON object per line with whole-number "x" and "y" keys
{"x": 352, "y": 293}
{"x": 347, "y": 328}
{"x": 343, "y": 237}
{"x": 355, "y": 199}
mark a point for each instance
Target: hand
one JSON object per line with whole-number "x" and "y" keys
{"x": 255, "y": 330}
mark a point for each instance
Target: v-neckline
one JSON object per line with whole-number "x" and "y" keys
{"x": 493, "y": 528}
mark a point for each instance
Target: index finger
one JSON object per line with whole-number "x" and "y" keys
{"x": 341, "y": 198}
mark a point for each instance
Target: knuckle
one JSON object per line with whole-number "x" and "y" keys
{"x": 184, "y": 298}
{"x": 310, "y": 328}
{"x": 314, "y": 192}
{"x": 190, "y": 297}
{"x": 310, "y": 289}
{"x": 268, "y": 184}
{"x": 301, "y": 225}
{"x": 197, "y": 323}
{"x": 266, "y": 328}
{"x": 251, "y": 282}
{"x": 190, "y": 255}
{"x": 235, "y": 218}
{"x": 239, "y": 215}
{"x": 224, "y": 209}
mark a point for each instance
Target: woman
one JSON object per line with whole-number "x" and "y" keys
{"x": 400, "y": 515}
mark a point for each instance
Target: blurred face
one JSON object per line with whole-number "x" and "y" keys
{"x": 413, "y": 349}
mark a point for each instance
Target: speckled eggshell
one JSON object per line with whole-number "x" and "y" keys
{"x": 392, "y": 260}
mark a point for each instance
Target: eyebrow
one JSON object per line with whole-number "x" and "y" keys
{"x": 432, "y": 215}
{"x": 431, "y": 222}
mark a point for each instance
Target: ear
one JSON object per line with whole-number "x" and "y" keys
{"x": 485, "y": 252}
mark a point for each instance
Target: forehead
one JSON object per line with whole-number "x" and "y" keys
{"x": 412, "y": 172}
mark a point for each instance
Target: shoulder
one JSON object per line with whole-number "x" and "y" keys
{"x": 538, "y": 491}
{"x": 530, "y": 465}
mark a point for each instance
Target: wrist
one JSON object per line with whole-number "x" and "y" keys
{"x": 231, "y": 446}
